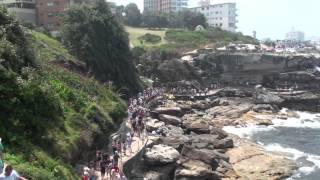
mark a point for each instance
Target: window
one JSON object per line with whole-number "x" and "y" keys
{"x": 50, "y": 4}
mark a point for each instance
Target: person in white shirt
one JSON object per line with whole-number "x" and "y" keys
{"x": 10, "y": 174}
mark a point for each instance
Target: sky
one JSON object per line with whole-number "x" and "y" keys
{"x": 269, "y": 18}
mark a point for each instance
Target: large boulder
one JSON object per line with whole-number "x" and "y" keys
{"x": 196, "y": 124}
{"x": 194, "y": 170}
{"x": 231, "y": 111}
{"x": 174, "y": 111}
{"x": 153, "y": 125}
{"x": 211, "y": 141}
{"x": 161, "y": 155}
{"x": 173, "y": 120}
{"x": 250, "y": 161}
{"x": 210, "y": 157}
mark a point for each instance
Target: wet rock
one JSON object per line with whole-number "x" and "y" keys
{"x": 160, "y": 155}
{"x": 194, "y": 170}
{"x": 173, "y": 120}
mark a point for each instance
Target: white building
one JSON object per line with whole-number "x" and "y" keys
{"x": 24, "y": 9}
{"x": 219, "y": 15}
{"x": 165, "y": 6}
{"x": 295, "y": 36}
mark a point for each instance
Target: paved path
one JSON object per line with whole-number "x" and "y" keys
{"x": 136, "y": 146}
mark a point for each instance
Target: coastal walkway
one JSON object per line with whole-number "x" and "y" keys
{"x": 137, "y": 144}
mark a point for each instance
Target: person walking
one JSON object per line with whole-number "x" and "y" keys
{"x": 1, "y": 156}
{"x": 10, "y": 174}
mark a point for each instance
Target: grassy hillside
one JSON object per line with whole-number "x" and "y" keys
{"x": 183, "y": 40}
{"x": 135, "y": 33}
{"x": 52, "y": 114}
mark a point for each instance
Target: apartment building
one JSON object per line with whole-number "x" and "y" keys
{"x": 165, "y": 6}
{"x": 25, "y": 10}
{"x": 49, "y": 14}
{"x": 295, "y": 36}
{"x": 219, "y": 15}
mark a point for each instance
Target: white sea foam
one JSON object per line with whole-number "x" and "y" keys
{"x": 248, "y": 131}
{"x": 295, "y": 154}
{"x": 306, "y": 120}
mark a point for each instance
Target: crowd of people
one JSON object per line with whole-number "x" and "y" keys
{"x": 109, "y": 163}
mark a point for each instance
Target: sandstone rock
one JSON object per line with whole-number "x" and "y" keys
{"x": 210, "y": 157}
{"x": 174, "y": 111}
{"x": 212, "y": 140}
{"x": 160, "y": 155}
{"x": 252, "y": 162}
{"x": 153, "y": 124}
{"x": 173, "y": 120}
{"x": 231, "y": 111}
{"x": 194, "y": 170}
{"x": 196, "y": 124}
{"x": 258, "y": 118}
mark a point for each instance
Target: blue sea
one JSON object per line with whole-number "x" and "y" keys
{"x": 297, "y": 138}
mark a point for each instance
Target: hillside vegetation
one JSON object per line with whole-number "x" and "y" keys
{"x": 183, "y": 39}
{"x": 51, "y": 113}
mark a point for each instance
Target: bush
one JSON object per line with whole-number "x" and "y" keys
{"x": 150, "y": 38}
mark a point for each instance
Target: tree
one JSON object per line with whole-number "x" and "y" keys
{"x": 133, "y": 15}
{"x": 192, "y": 19}
{"x": 95, "y": 36}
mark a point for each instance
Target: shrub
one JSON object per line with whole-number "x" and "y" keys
{"x": 150, "y": 38}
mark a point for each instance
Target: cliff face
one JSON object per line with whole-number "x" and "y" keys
{"x": 282, "y": 71}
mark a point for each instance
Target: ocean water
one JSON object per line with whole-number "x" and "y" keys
{"x": 297, "y": 138}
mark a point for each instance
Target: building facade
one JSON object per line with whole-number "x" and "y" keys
{"x": 219, "y": 15}
{"x": 25, "y": 10}
{"x": 49, "y": 13}
{"x": 165, "y": 6}
{"x": 295, "y": 36}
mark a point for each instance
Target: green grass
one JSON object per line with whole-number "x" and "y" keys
{"x": 135, "y": 33}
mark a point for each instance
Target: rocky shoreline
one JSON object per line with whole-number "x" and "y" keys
{"x": 186, "y": 140}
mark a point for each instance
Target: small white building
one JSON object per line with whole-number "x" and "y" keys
{"x": 219, "y": 15}
{"x": 25, "y": 10}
